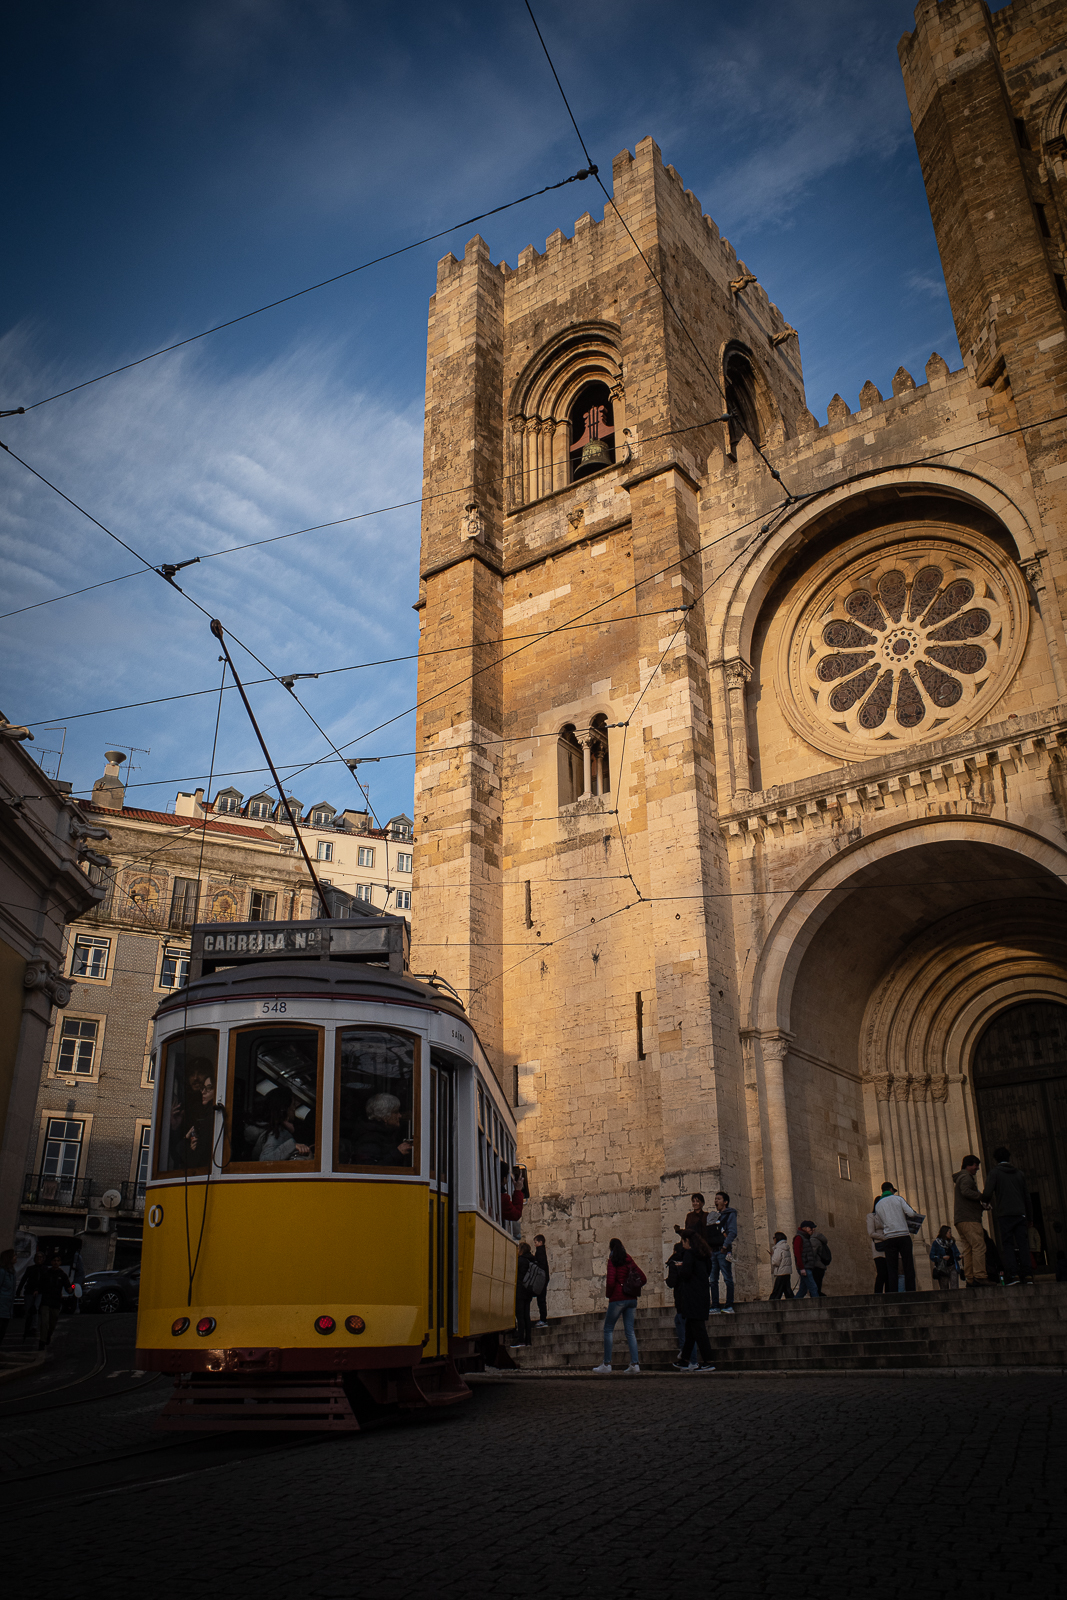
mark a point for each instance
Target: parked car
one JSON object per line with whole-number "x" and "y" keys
{"x": 108, "y": 1292}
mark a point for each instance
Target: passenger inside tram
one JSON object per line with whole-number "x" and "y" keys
{"x": 190, "y": 1093}
{"x": 278, "y": 1141}
{"x": 275, "y": 1091}
{"x": 376, "y": 1099}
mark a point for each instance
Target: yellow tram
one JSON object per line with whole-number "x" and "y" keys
{"x": 323, "y": 1224}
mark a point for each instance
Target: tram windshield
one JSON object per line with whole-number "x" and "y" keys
{"x": 187, "y": 1119}
{"x": 274, "y": 1095}
{"x": 376, "y": 1079}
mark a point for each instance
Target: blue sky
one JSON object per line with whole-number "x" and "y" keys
{"x": 167, "y": 167}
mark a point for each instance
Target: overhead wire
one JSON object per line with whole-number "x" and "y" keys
{"x": 298, "y": 294}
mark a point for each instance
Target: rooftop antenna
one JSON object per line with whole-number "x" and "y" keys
{"x": 57, "y": 753}
{"x": 131, "y": 766}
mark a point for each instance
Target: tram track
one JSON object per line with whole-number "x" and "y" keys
{"x": 30, "y": 1404}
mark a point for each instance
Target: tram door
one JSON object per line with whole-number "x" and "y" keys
{"x": 442, "y": 1232}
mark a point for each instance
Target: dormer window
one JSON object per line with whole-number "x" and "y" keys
{"x": 322, "y": 816}
{"x": 228, "y": 801}
{"x": 592, "y": 429}
{"x": 260, "y": 807}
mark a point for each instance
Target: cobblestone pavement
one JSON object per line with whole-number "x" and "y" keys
{"x": 561, "y": 1488}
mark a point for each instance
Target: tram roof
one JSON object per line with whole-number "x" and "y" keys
{"x": 311, "y": 980}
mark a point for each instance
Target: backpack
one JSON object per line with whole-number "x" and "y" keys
{"x": 823, "y": 1253}
{"x": 534, "y": 1278}
{"x": 633, "y": 1281}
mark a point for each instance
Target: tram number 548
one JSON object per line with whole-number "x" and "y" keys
{"x": 272, "y": 1008}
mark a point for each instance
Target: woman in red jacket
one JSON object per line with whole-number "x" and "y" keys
{"x": 623, "y": 1275}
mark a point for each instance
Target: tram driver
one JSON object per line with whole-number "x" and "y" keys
{"x": 278, "y": 1140}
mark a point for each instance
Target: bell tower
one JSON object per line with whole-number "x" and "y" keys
{"x": 571, "y": 873}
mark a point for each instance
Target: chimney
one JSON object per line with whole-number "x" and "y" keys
{"x": 109, "y": 792}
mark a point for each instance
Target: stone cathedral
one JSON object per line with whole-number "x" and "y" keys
{"x": 742, "y": 788}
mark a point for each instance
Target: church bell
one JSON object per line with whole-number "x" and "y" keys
{"x": 594, "y": 456}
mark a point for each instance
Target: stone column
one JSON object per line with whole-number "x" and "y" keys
{"x": 586, "y": 742}
{"x": 1035, "y": 577}
{"x": 737, "y": 674}
{"x": 774, "y": 1047}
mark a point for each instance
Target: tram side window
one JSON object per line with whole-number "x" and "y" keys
{"x": 274, "y": 1095}
{"x": 377, "y": 1072}
{"x": 496, "y": 1157}
{"x": 187, "y": 1104}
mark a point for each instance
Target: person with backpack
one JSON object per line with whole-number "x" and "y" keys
{"x": 527, "y": 1276}
{"x": 804, "y": 1256}
{"x": 689, "y": 1280}
{"x": 877, "y": 1238}
{"x": 625, "y": 1280}
{"x": 945, "y": 1261}
{"x": 894, "y": 1213}
{"x": 1008, "y": 1191}
{"x": 782, "y": 1269}
{"x": 823, "y": 1255}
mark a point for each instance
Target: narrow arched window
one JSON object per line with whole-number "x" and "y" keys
{"x": 569, "y": 766}
{"x": 600, "y": 772}
{"x": 592, "y": 429}
{"x": 740, "y": 392}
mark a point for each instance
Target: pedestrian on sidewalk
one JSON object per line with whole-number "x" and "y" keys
{"x": 523, "y": 1295}
{"x": 804, "y": 1256}
{"x": 967, "y": 1220}
{"x": 625, "y": 1280}
{"x": 945, "y": 1262}
{"x": 693, "y": 1301}
{"x": 1006, "y": 1190}
{"x": 53, "y": 1285}
{"x": 874, "y": 1229}
{"x": 893, "y": 1213}
{"x": 782, "y": 1268}
{"x": 823, "y": 1256}
{"x": 673, "y": 1260}
{"x": 541, "y": 1257}
{"x": 31, "y": 1295}
{"x": 7, "y": 1290}
{"x": 722, "y": 1258}
{"x": 77, "y": 1276}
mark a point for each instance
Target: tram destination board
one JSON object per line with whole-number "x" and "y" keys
{"x": 384, "y": 939}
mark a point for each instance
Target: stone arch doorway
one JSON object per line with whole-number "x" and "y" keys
{"x": 1019, "y": 1071}
{"x": 873, "y": 989}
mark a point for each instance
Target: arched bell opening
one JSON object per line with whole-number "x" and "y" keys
{"x": 592, "y": 431}
{"x": 569, "y": 765}
{"x": 740, "y": 394}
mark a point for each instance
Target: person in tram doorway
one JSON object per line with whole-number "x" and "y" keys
{"x": 511, "y": 1204}
{"x": 541, "y": 1257}
{"x": 945, "y": 1263}
{"x": 53, "y": 1284}
{"x": 723, "y": 1254}
{"x": 523, "y": 1295}
{"x": 967, "y": 1221}
{"x": 689, "y": 1280}
{"x": 804, "y": 1256}
{"x": 782, "y": 1269}
{"x": 625, "y": 1280}
{"x": 7, "y": 1290}
{"x": 1007, "y": 1191}
{"x": 877, "y": 1238}
{"x": 893, "y": 1213}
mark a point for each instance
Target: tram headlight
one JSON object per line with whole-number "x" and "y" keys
{"x": 325, "y": 1325}
{"x": 355, "y": 1325}
{"x": 205, "y": 1326}
{"x": 179, "y": 1326}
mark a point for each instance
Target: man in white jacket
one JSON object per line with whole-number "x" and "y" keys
{"x": 782, "y": 1268}
{"x": 893, "y": 1211}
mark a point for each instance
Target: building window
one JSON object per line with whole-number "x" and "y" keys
{"x": 403, "y": 899}
{"x": 403, "y": 862}
{"x": 183, "y": 902}
{"x": 261, "y": 906}
{"x": 144, "y": 1156}
{"x": 150, "y": 1070}
{"x": 325, "y": 850}
{"x": 90, "y": 956}
{"x": 175, "y": 969}
{"x": 77, "y": 1046}
{"x": 569, "y": 766}
{"x": 366, "y": 856}
{"x": 322, "y": 816}
{"x": 843, "y": 1167}
{"x": 740, "y": 394}
{"x": 62, "y": 1148}
{"x": 364, "y": 891}
{"x": 260, "y": 807}
{"x": 102, "y": 878}
{"x": 592, "y": 425}
{"x": 600, "y": 772}
{"x": 227, "y": 803}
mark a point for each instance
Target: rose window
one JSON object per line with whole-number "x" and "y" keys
{"x": 905, "y": 645}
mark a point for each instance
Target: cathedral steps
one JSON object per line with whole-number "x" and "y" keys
{"x": 971, "y": 1329}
